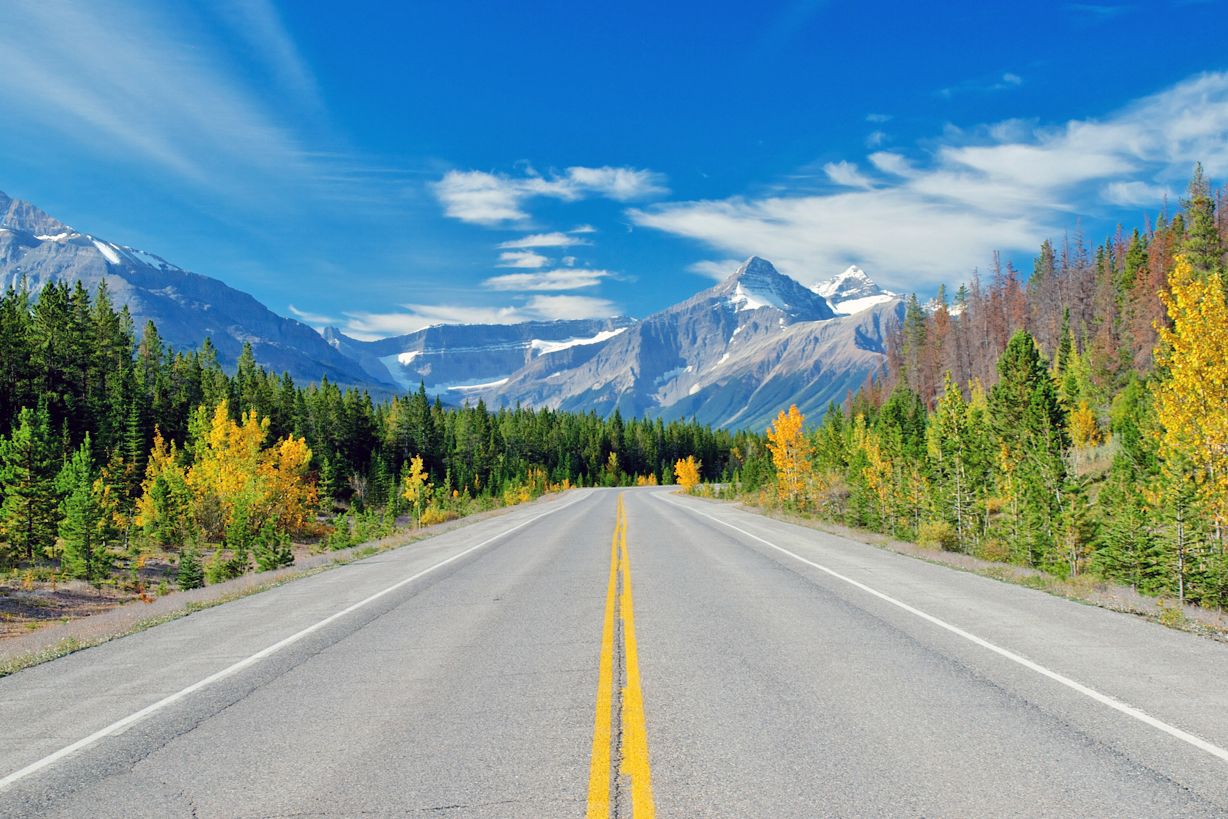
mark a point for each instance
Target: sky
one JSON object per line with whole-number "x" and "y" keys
{"x": 380, "y": 167}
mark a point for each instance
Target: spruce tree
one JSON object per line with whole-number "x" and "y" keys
{"x": 191, "y": 574}
{"x": 85, "y": 529}
{"x": 29, "y": 513}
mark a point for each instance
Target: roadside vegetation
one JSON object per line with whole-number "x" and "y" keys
{"x": 128, "y": 469}
{"x": 1075, "y": 425}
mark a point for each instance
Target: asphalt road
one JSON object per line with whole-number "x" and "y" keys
{"x": 507, "y": 669}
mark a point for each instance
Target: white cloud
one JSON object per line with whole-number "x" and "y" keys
{"x": 373, "y": 326}
{"x": 316, "y": 320}
{"x": 928, "y": 219}
{"x": 875, "y": 138}
{"x": 556, "y": 308}
{"x": 583, "y": 229}
{"x": 555, "y": 239}
{"x": 562, "y": 279}
{"x": 1136, "y": 193}
{"x": 493, "y": 199}
{"x": 846, "y": 174}
{"x": 522, "y": 258}
{"x": 878, "y": 117}
{"x": 892, "y": 163}
{"x": 712, "y": 269}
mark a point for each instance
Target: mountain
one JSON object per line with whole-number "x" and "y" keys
{"x": 731, "y": 356}
{"x": 186, "y": 307}
{"x": 853, "y": 291}
{"x": 464, "y": 358}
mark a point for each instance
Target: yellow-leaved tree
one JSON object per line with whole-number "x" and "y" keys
{"x": 1192, "y": 401}
{"x": 234, "y": 478}
{"x": 686, "y": 472}
{"x": 790, "y": 450}
{"x": 414, "y": 487}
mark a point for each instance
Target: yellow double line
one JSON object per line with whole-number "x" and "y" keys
{"x": 633, "y": 748}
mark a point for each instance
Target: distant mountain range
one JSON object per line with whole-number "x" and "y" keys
{"x": 732, "y": 355}
{"x": 186, "y": 307}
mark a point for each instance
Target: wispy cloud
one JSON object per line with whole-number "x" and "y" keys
{"x": 713, "y": 269}
{"x": 493, "y": 199}
{"x": 942, "y": 211}
{"x": 522, "y": 258}
{"x": 1002, "y": 82}
{"x": 316, "y": 320}
{"x": 555, "y": 239}
{"x": 371, "y": 326}
{"x": 571, "y": 278}
{"x": 846, "y": 174}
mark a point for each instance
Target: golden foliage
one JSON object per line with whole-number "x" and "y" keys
{"x": 1192, "y": 402}
{"x": 790, "y": 453}
{"x": 1084, "y": 428}
{"x": 686, "y": 472}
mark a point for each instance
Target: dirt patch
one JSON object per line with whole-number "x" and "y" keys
{"x": 49, "y": 622}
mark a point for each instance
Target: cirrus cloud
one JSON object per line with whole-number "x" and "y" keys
{"x": 570, "y": 278}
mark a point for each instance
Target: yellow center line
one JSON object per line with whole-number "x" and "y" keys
{"x": 599, "y": 768}
{"x": 635, "y": 734}
{"x": 634, "y": 746}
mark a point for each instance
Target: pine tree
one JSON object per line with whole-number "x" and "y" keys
{"x": 85, "y": 528}
{"x": 29, "y": 513}
{"x": 1029, "y": 425}
{"x": 191, "y": 574}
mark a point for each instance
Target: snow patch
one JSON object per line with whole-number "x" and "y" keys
{"x": 405, "y": 359}
{"x": 857, "y": 305}
{"x": 59, "y": 237}
{"x": 694, "y": 389}
{"x": 466, "y": 389}
{"x": 541, "y": 347}
{"x": 745, "y": 299}
{"x": 107, "y": 251}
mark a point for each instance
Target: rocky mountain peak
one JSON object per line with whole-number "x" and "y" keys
{"x": 852, "y": 291}
{"x": 758, "y": 284}
{"x": 18, "y": 215}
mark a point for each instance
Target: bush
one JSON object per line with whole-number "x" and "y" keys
{"x": 938, "y": 534}
{"x": 435, "y": 514}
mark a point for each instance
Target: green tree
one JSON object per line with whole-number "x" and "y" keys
{"x": 29, "y": 513}
{"x": 191, "y": 574}
{"x": 85, "y": 527}
{"x": 1029, "y": 425}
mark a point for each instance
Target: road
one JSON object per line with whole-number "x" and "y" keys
{"x": 616, "y": 653}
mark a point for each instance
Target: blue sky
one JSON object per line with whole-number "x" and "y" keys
{"x": 384, "y": 168}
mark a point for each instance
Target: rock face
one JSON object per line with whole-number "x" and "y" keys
{"x": 853, "y": 291}
{"x": 732, "y": 356}
{"x": 186, "y": 307}
{"x": 460, "y": 359}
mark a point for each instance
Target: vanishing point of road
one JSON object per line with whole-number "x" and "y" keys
{"x": 628, "y": 653}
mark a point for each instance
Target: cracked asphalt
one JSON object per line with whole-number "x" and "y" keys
{"x": 774, "y": 683}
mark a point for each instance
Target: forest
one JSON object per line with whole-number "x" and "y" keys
{"x": 1074, "y": 422}
{"x": 115, "y": 449}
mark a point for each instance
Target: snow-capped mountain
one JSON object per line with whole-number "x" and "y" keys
{"x": 733, "y": 355}
{"x": 852, "y": 291}
{"x": 186, "y": 307}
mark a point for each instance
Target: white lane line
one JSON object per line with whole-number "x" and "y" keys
{"x": 1104, "y": 699}
{"x": 121, "y": 724}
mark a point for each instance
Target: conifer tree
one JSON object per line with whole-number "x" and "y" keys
{"x": 191, "y": 574}
{"x": 28, "y": 466}
{"x": 85, "y": 528}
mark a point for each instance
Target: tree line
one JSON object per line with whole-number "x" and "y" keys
{"x": 1075, "y": 423}
{"x": 114, "y": 446}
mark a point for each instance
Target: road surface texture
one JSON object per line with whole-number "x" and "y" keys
{"x": 616, "y": 653}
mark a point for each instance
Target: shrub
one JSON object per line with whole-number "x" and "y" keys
{"x": 938, "y": 534}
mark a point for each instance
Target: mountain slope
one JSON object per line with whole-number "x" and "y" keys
{"x": 730, "y": 356}
{"x": 186, "y": 307}
{"x": 463, "y": 358}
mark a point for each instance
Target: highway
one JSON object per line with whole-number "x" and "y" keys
{"x": 628, "y": 653}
